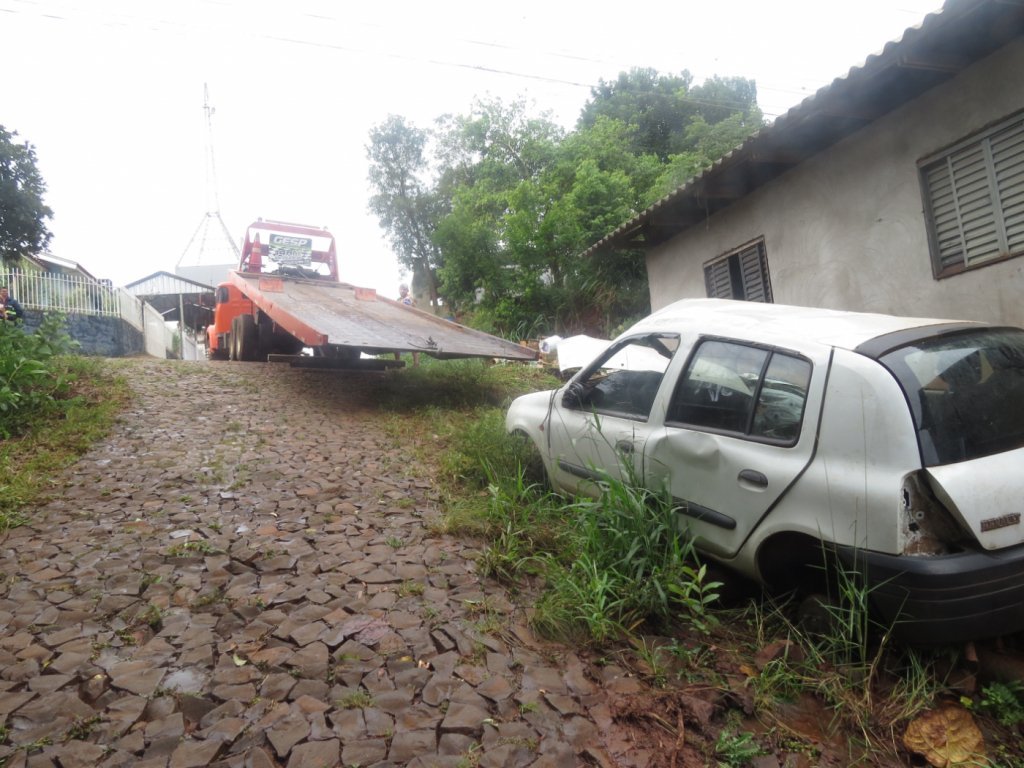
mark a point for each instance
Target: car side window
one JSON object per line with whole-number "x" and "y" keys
{"x": 744, "y": 390}
{"x": 780, "y": 403}
{"x": 625, "y": 380}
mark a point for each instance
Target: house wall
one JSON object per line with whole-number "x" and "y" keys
{"x": 846, "y": 229}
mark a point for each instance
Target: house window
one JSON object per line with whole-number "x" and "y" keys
{"x": 742, "y": 274}
{"x": 974, "y": 199}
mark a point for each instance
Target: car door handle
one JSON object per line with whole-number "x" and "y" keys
{"x": 752, "y": 477}
{"x": 624, "y": 446}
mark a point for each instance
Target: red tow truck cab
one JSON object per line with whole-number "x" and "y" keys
{"x": 240, "y": 330}
{"x": 231, "y": 303}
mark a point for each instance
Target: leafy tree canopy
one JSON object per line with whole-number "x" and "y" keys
{"x": 23, "y": 214}
{"x": 404, "y": 201}
{"x": 491, "y": 209}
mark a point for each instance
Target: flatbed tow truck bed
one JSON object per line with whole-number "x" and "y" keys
{"x": 324, "y": 314}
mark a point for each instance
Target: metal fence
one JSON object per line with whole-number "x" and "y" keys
{"x": 62, "y": 293}
{"x": 71, "y": 295}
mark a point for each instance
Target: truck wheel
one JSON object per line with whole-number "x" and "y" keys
{"x": 233, "y": 340}
{"x": 248, "y": 338}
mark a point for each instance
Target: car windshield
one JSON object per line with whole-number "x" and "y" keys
{"x": 966, "y": 392}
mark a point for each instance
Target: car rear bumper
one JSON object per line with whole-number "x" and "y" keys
{"x": 944, "y": 599}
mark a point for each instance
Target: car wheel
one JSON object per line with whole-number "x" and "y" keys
{"x": 818, "y": 614}
{"x": 531, "y": 462}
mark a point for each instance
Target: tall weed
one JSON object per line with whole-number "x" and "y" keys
{"x": 608, "y": 564}
{"x": 632, "y": 534}
{"x": 31, "y": 379}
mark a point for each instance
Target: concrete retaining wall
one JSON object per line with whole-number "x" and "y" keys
{"x": 98, "y": 335}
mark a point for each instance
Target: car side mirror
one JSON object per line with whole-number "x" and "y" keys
{"x": 573, "y": 396}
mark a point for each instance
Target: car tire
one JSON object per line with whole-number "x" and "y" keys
{"x": 534, "y": 471}
{"x": 818, "y": 614}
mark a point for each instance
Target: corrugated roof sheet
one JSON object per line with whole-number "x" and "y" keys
{"x": 164, "y": 283}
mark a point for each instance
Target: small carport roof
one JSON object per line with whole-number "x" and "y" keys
{"x": 940, "y": 47}
{"x": 169, "y": 293}
{"x": 160, "y": 283}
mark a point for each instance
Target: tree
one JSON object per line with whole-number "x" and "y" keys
{"x": 489, "y": 157}
{"x": 709, "y": 142}
{"x": 656, "y": 106}
{"x": 406, "y": 205}
{"x": 661, "y": 107}
{"x": 514, "y": 201}
{"x": 23, "y": 214}
{"x": 720, "y": 97}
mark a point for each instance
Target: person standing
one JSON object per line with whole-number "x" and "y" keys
{"x": 10, "y": 309}
{"x": 404, "y": 297}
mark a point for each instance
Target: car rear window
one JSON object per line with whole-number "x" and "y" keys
{"x": 966, "y": 392}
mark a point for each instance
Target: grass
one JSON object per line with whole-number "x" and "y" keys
{"x": 56, "y": 435}
{"x": 358, "y": 699}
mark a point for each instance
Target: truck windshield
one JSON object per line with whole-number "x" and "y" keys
{"x": 966, "y": 392}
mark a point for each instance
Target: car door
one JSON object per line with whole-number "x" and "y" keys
{"x": 599, "y": 424}
{"x": 739, "y": 429}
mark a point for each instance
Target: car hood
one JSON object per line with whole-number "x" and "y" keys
{"x": 987, "y": 494}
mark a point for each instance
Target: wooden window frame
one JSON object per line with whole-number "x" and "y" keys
{"x": 973, "y": 194}
{"x": 736, "y": 266}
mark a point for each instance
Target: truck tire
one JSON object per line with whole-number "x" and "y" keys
{"x": 233, "y": 340}
{"x": 248, "y": 338}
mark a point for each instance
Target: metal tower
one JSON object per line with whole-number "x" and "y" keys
{"x": 211, "y": 251}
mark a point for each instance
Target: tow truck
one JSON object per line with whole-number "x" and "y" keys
{"x": 285, "y": 303}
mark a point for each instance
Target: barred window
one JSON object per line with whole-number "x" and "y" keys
{"x": 742, "y": 274}
{"x": 974, "y": 199}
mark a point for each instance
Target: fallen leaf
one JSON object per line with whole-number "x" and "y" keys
{"x": 946, "y": 737}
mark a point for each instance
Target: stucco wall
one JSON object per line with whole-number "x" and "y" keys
{"x": 846, "y": 229}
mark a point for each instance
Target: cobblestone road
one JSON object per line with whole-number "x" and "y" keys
{"x": 244, "y": 574}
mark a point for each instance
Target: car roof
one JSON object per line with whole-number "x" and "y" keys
{"x": 781, "y": 324}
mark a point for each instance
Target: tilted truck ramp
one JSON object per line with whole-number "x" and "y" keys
{"x": 323, "y": 312}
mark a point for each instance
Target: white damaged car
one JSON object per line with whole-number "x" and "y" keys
{"x": 790, "y": 437}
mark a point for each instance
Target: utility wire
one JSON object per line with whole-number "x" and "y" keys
{"x": 174, "y": 27}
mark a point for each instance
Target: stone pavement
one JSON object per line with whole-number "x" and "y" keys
{"x": 244, "y": 574}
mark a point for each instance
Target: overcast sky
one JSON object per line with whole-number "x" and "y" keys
{"x": 111, "y": 94}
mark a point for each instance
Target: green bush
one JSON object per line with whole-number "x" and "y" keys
{"x": 31, "y": 380}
